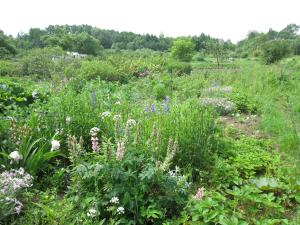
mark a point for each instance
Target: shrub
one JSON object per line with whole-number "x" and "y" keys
{"x": 179, "y": 68}
{"x": 243, "y": 102}
{"x": 8, "y": 68}
{"x": 183, "y": 50}
{"x": 14, "y": 95}
{"x": 97, "y": 69}
{"x": 199, "y": 57}
{"x": 275, "y": 50}
{"x": 296, "y": 47}
{"x": 39, "y": 62}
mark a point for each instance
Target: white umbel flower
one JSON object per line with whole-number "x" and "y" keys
{"x": 68, "y": 120}
{"x": 92, "y": 212}
{"x": 131, "y": 123}
{"x": 34, "y": 94}
{"x": 105, "y": 114}
{"x": 117, "y": 117}
{"x": 94, "y": 131}
{"x": 120, "y": 210}
{"x": 55, "y": 145}
{"x": 114, "y": 200}
{"x": 16, "y": 156}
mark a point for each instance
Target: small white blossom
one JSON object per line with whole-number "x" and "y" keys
{"x": 105, "y": 114}
{"x": 68, "y": 119}
{"x": 118, "y": 102}
{"x": 120, "y": 210}
{"x": 114, "y": 200}
{"x": 92, "y": 212}
{"x": 131, "y": 123}
{"x": 55, "y": 145}
{"x": 16, "y": 156}
{"x": 117, "y": 117}
{"x": 94, "y": 131}
{"x": 34, "y": 94}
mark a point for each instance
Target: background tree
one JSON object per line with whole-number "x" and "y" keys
{"x": 7, "y": 47}
{"x": 275, "y": 50}
{"x": 183, "y": 50}
{"x": 216, "y": 47}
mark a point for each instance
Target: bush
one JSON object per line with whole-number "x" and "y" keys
{"x": 296, "y": 47}
{"x": 183, "y": 50}
{"x": 274, "y": 51}
{"x": 179, "y": 68}
{"x": 243, "y": 102}
{"x": 39, "y": 62}
{"x": 91, "y": 70}
{"x": 199, "y": 57}
{"x": 8, "y": 68}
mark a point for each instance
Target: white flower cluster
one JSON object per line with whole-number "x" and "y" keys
{"x": 120, "y": 210}
{"x": 34, "y": 94}
{"x": 92, "y": 212}
{"x": 55, "y": 145}
{"x": 17, "y": 204}
{"x": 105, "y": 115}
{"x": 16, "y": 156}
{"x": 181, "y": 180}
{"x": 68, "y": 120}
{"x": 114, "y": 200}
{"x": 220, "y": 89}
{"x": 222, "y": 105}
{"x": 14, "y": 180}
{"x": 131, "y": 123}
{"x": 94, "y": 131}
{"x": 117, "y": 117}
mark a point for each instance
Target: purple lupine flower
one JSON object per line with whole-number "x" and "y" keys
{"x": 151, "y": 97}
{"x": 167, "y": 99}
{"x": 152, "y": 108}
{"x": 165, "y": 105}
{"x": 146, "y": 109}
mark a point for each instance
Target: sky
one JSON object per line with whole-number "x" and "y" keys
{"x": 227, "y": 19}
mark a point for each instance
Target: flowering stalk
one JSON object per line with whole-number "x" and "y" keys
{"x": 200, "y": 194}
{"x": 95, "y": 141}
{"x": 171, "y": 151}
{"x": 120, "y": 151}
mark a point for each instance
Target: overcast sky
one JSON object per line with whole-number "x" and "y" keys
{"x": 228, "y": 19}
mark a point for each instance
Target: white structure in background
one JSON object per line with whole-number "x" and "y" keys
{"x": 76, "y": 55}
{"x": 70, "y": 55}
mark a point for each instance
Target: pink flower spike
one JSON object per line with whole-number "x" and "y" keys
{"x": 200, "y": 194}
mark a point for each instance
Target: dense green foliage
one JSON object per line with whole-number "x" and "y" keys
{"x": 183, "y": 50}
{"x": 136, "y": 137}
